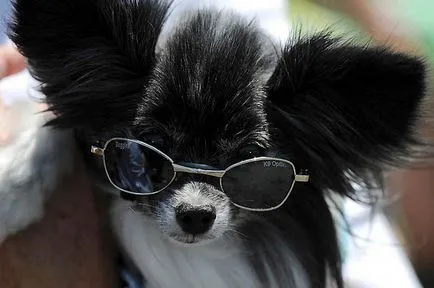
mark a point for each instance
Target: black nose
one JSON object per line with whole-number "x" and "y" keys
{"x": 195, "y": 220}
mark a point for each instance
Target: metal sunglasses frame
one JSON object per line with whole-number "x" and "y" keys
{"x": 213, "y": 173}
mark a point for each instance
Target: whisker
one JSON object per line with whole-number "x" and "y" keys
{"x": 237, "y": 232}
{"x": 134, "y": 210}
{"x": 144, "y": 205}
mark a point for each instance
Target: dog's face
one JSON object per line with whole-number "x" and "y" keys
{"x": 196, "y": 112}
{"x": 215, "y": 93}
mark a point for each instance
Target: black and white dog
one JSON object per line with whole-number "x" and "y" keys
{"x": 242, "y": 141}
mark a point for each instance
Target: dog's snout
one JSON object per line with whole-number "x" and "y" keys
{"x": 195, "y": 220}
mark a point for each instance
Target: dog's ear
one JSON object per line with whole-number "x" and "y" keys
{"x": 92, "y": 57}
{"x": 345, "y": 110}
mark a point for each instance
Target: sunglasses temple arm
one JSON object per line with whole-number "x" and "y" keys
{"x": 301, "y": 178}
{"x": 96, "y": 150}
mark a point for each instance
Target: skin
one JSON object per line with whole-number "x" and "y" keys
{"x": 11, "y": 62}
{"x": 70, "y": 246}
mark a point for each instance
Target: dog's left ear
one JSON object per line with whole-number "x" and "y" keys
{"x": 345, "y": 109}
{"x": 92, "y": 57}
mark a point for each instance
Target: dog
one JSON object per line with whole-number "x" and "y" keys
{"x": 214, "y": 98}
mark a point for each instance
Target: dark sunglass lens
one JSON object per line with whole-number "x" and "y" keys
{"x": 136, "y": 168}
{"x": 261, "y": 184}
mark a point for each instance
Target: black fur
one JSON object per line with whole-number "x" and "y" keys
{"x": 194, "y": 103}
{"x": 339, "y": 110}
{"x": 348, "y": 109}
{"x": 93, "y": 58}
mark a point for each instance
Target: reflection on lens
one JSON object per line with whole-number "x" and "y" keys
{"x": 136, "y": 168}
{"x": 261, "y": 184}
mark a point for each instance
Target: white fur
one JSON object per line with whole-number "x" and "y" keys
{"x": 190, "y": 194}
{"x": 164, "y": 263}
{"x": 221, "y": 263}
{"x": 31, "y": 164}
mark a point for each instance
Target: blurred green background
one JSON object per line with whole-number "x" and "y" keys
{"x": 415, "y": 16}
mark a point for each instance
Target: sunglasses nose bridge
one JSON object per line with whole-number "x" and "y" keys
{"x": 198, "y": 169}
{"x": 187, "y": 173}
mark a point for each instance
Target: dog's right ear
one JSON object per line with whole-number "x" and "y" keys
{"x": 347, "y": 111}
{"x": 92, "y": 57}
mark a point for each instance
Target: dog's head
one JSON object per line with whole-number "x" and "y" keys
{"x": 216, "y": 92}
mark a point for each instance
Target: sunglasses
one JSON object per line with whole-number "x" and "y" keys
{"x": 258, "y": 184}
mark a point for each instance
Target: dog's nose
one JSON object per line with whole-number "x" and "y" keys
{"x": 195, "y": 220}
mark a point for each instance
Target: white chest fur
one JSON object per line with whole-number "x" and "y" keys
{"x": 167, "y": 264}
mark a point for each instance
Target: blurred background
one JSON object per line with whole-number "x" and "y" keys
{"x": 4, "y": 12}
{"x": 394, "y": 243}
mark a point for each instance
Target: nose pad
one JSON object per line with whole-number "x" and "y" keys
{"x": 195, "y": 220}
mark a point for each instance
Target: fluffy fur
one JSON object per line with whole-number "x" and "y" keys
{"x": 31, "y": 165}
{"x": 215, "y": 92}
{"x": 221, "y": 263}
